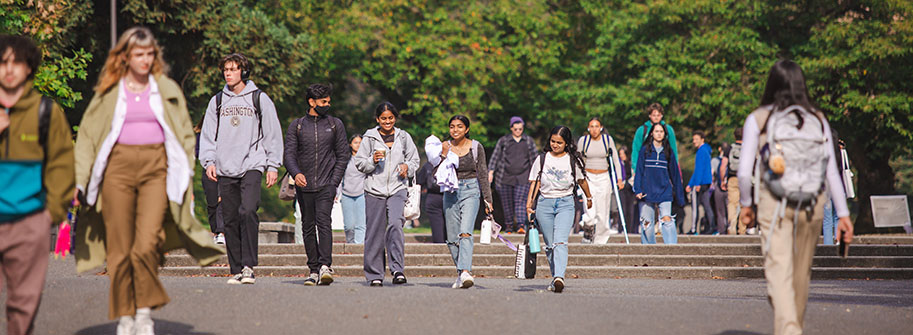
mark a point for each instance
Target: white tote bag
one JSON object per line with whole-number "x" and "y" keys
{"x": 412, "y": 210}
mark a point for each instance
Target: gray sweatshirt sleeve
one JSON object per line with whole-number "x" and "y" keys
{"x": 272, "y": 134}
{"x": 208, "y": 136}
{"x": 364, "y": 158}
{"x": 411, "y": 158}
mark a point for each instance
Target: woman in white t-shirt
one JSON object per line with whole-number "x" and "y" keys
{"x": 556, "y": 173}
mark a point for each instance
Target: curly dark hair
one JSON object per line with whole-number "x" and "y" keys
{"x": 23, "y": 49}
{"x": 318, "y": 91}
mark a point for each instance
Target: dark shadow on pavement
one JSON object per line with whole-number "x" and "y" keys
{"x": 162, "y": 327}
{"x": 530, "y": 288}
{"x": 294, "y": 282}
{"x": 738, "y": 332}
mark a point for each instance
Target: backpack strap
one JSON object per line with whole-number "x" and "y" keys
{"x": 218, "y": 112}
{"x": 44, "y": 124}
{"x": 586, "y": 144}
{"x": 44, "y": 121}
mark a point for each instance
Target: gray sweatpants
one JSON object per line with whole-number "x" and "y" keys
{"x": 384, "y": 231}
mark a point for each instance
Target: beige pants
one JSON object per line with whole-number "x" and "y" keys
{"x": 733, "y": 207}
{"x": 134, "y": 202}
{"x": 787, "y": 264}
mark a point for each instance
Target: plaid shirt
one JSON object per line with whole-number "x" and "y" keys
{"x": 497, "y": 162}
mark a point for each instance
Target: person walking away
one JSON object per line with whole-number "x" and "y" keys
{"x": 241, "y": 140}
{"x": 719, "y": 196}
{"x": 36, "y": 174}
{"x": 462, "y": 204}
{"x": 510, "y": 163}
{"x": 352, "y": 197}
{"x": 731, "y": 183}
{"x": 316, "y": 154}
{"x": 657, "y": 183}
{"x": 830, "y": 212}
{"x": 701, "y": 179}
{"x": 597, "y": 147}
{"x": 211, "y": 191}
{"x": 133, "y": 159}
{"x": 433, "y": 205}
{"x": 556, "y": 173}
{"x": 389, "y": 158}
{"x": 790, "y": 225}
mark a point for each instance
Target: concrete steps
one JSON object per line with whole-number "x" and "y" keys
{"x": 695, "y": 257}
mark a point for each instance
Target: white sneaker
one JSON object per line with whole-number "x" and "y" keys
{"x": 751, "y": 231}
{"x": 219, "y": 239}
{"x": 465, "y": 280}
{"x": 456, "y": 284}
{"x": 126, "y": 326}
{"x": 235, "y": 279}
{"x": 145, "y": 326}
{"x": 247, "y": 276}
{"x": 326, "y": 275}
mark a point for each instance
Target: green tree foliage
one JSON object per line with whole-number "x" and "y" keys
{"x": 551, "y": 62}
{"x": 51, "y": 24}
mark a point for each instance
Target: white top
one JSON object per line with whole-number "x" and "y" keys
{"x": 556, "y": 176}
{"x": 595, "y": 153}
{"x": 750, "y": 139}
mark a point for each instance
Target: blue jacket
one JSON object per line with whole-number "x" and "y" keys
{"x": 702, "y": 174}
{"x": 658, "y": 177}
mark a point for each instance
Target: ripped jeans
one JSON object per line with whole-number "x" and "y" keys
{"x": 648, "y": 218}
{"x": 460, "y": 210}
{"x": 555, "y": 218}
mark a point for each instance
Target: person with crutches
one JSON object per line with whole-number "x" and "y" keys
{"x": 600, "y": 156}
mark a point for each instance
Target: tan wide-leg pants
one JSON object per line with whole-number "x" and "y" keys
{"x": 134, "y": 202}
{"x": 788, "y": 262}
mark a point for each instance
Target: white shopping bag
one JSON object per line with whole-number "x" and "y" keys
{"x": 486, "y": 232}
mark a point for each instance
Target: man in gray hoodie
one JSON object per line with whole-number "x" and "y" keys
{"x": 241, "y": 138}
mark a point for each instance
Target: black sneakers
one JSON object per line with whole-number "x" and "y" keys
{"x": 399, "y": 278}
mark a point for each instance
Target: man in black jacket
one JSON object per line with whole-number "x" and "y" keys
{"x": 316, "y": 154}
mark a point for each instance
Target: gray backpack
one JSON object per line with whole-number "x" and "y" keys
{"x": 796, "y": 136}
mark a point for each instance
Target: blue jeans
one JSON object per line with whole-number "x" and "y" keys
{"x": 353, "y": 218}
{"x": 555, "y": 217}
{"x": 460, "y": 210}
{"x": 830, "y": 222}
{"x": 647, "y": 219}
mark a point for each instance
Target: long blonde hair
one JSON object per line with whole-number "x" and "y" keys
{"x": 116, "y": 65}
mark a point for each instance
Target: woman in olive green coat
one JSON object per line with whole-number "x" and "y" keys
{"x": 134, "y": 155}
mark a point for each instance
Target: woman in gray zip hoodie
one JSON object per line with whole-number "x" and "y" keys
{"x": 389, "y": 158}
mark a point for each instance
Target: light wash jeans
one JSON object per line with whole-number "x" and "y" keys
{"x": 830, "y": 222}
{"x": 460, "y": 210}
{"x": 353, "y": 218}
{"x": 647, "y": 218}
{"x": 555, "y": 217}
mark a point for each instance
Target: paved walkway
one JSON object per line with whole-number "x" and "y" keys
{"x": 281, "y": 305}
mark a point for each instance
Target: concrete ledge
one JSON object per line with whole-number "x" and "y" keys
{"x": 276, "y": 232}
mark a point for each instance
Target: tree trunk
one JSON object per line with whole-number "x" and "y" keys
{"x": 874, "y": 176}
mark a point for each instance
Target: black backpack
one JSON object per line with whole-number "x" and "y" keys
{"x": 255, "y": 96}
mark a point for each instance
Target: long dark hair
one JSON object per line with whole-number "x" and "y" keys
{"x": 667, "y": 148}
{"x": 569, "y": 146}
{"x": 385, "y": 106}
{"x": 786, "y": 87}
{"x": 464, "y": 120}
